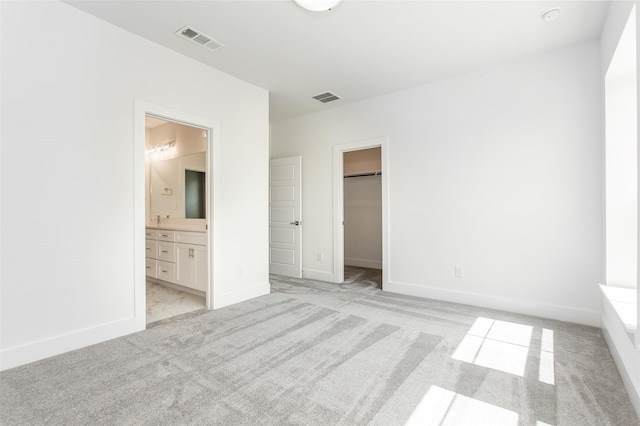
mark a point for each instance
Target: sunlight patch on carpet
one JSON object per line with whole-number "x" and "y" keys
{"x": 443, "y": 407}
{"x": 499, "y": 345}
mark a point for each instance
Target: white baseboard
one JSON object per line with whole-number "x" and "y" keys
{"x": 35, "y": 351}
{"x": 626, "y": 357}
{"x": 363, "y": 263}
{"x": 226, "y": 299}
{"x": 526, "y": 307}
{"x": 313, "y": 274}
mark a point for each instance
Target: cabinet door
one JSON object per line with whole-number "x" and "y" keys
{"x": 151, "y": 249}
{"x": 152, "y": 267}
{"x": 166, "y": 251}
{"x": 164, "y": 235}
{"x": 200, "y": 263}
{"x": 191, "y": 266}
{"x": 184, "y": 265}
{"x": 166, "y": 271}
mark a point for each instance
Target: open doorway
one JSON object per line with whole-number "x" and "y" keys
{"x": 176, "y": 198}
{"x": 362, "y": 198}
{"x": 360, "y": 211}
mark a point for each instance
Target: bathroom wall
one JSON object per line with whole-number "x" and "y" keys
{"x": 167, "y": 187}
{"x": 187, "y": 140}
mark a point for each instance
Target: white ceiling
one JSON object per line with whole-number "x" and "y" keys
{"x": 358, "y": 50}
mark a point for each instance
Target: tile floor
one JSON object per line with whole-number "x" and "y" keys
{"x": 165, "y": 302}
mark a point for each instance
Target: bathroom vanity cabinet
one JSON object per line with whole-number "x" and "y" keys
{"x": 177, "y": 257}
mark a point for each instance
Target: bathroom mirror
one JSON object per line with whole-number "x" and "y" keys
{"x": 178, "y": 187}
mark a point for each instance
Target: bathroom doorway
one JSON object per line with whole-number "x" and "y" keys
{"x": 176, "y": 200}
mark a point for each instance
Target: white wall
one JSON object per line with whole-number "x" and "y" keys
{"x": 68, "y": 188}
{"x": 499, "y": 171}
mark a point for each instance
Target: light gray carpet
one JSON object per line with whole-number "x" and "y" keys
{"x": 314, "y": 353}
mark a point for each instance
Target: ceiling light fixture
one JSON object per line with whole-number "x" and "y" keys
{"x": 551, "y": 14}
{"x": 317, "y": 5}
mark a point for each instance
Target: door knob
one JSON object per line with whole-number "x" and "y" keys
{"x": 296, "y": 223}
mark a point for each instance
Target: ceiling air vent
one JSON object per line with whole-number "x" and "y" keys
{"x": 199, "y": 38}
{"x": 326, "y": 97}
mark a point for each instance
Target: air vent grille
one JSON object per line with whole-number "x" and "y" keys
{"x": 201, "y": 39}
{"x": 197, "y": 37}
{"x": 326, "y": 97}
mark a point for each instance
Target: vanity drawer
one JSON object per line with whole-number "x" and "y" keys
{"x": 166, "y": 251}
{"x": 166, "y": 271}
{"x": 151, "y": 249}
{"x": 164, "y": 235}
{"x": 151, "y": 234}
{"x": 152, "y": 268}
{"x": 188, "y": 237}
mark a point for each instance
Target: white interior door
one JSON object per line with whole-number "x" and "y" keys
{"x": 285, "y": 216}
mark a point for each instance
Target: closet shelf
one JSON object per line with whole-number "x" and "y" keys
{"x": 374, "y": 173}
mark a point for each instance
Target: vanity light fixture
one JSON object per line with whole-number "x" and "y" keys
{"x": 161, "y": 147}
{"x": 317, "y": 5}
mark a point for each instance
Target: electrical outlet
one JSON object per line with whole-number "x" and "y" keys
{"x": 459, "y": 271}
{"x": 319, "y": 257}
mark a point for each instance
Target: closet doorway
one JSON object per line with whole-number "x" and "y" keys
{"x": 362, "y": 197}
{"x": 360, "y": 212}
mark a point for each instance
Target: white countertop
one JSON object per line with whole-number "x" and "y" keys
{"x": 177, "y": 228}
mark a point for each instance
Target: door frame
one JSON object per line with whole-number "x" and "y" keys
{"x": 338, "y": 204}
{"x": 141, "y": 110}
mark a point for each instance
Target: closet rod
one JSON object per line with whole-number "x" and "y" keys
{"x": 363, "y": 174}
